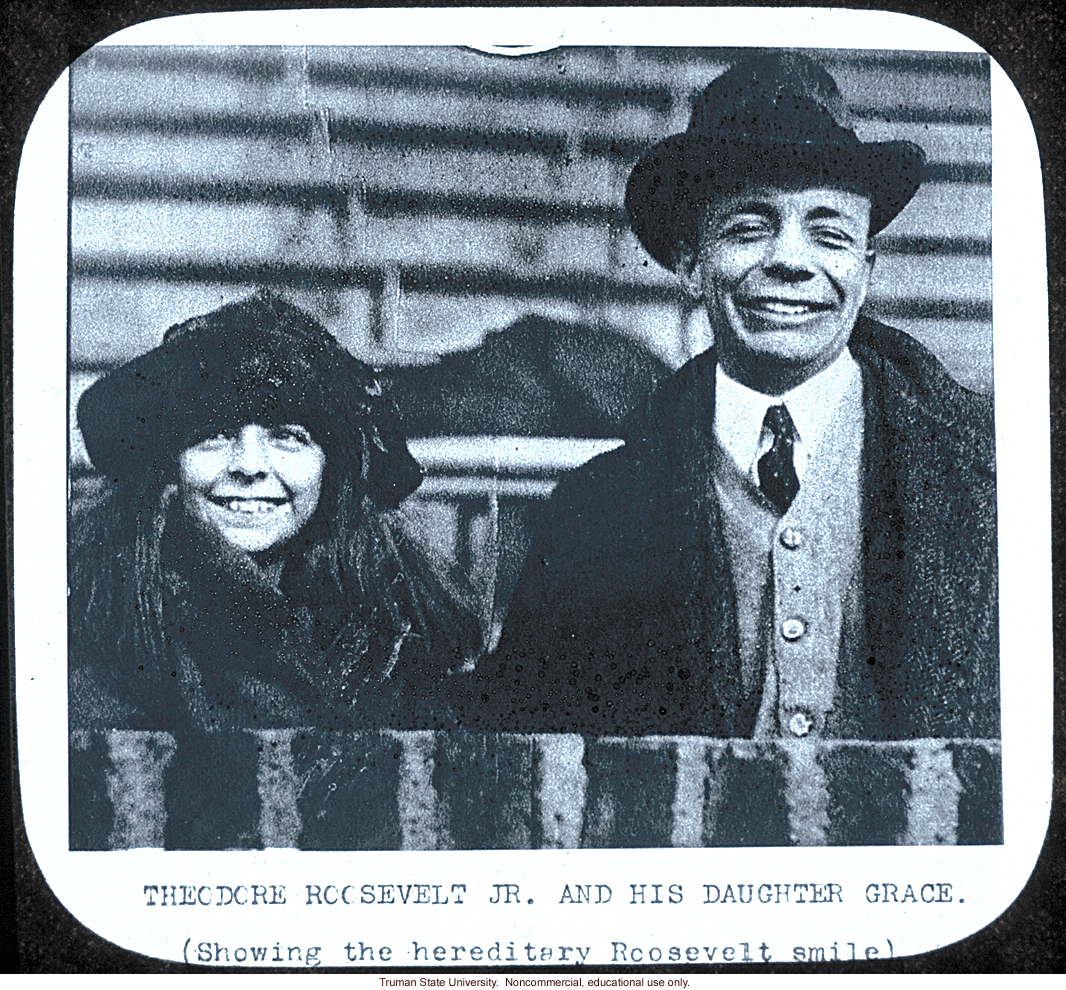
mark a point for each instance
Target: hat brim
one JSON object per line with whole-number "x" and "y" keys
{"x": 136, "y": 419}
{"x": 197, "y": 383}
{"x": 683, "y": 171}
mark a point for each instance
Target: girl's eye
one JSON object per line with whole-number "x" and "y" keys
{"x": 217, "y": 440}
{"x": 291, "y": 435}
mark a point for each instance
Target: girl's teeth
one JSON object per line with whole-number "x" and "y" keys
{"x": 248, "y": 505}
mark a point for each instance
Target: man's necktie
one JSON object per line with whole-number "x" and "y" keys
{"x": 777, "y": 472}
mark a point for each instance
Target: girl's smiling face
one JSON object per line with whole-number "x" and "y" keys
{"x": 256, "y": 485}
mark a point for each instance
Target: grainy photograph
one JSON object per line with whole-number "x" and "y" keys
{"x": 592, "y": 448}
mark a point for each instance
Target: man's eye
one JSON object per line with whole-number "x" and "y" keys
{"x": 744, "y": 230}
{"x": 833, "y": 237}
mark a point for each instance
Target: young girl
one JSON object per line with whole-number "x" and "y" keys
{"x": 240, "y": 565}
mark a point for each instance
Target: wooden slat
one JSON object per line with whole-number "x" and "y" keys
{"x": 506, "y": 456}
{"x": 147, "y": 232}
{"x": 155, "y": 234}
{"x": 946, "y": 210}
{"x": 279, "y": 816}
{"x": 932, "y": 808}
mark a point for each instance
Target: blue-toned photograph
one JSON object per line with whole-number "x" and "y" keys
{"x": 592, "y": 448}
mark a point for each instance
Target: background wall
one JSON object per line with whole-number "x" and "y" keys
{"x": 420, "y": 199}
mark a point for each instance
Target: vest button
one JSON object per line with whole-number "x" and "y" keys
{"x": 800, "y": 724}
{"x": 793, "y": 629}
{"x": 791, "y": 538}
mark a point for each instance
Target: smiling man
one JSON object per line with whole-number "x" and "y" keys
{"x": 783, "y": 274}
{"x": 799, "y": 536}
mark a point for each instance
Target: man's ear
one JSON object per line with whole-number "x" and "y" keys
{"x": 869, "y": 256}
{"x": 688, "y": 269}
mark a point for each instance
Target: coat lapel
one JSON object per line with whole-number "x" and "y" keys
{"x": 929, "y": 664}
{"x": 697, "y": 567}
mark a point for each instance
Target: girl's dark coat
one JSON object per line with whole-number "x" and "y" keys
{"x": 238, "y": 653}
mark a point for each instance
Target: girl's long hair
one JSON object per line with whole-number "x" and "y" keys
{"x": 350, "y": 556}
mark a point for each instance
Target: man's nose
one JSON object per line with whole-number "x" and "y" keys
{"x": 249, "y": 454}
{"x": 788, "y": 254}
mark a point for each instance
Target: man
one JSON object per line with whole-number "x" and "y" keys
{"x": 799, "y": 536}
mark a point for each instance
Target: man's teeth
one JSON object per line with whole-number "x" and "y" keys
{"x": 784, "y": 308}
{"x": 254, "y": 505}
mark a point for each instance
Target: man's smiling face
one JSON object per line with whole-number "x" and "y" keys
{"x": 783, "y": 273}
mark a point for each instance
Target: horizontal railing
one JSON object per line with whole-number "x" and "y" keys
{"x": 307, "y": 789}
{"x": 503, "y": 466}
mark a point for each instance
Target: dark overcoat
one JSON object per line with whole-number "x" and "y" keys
{"x": 624, "y": 619}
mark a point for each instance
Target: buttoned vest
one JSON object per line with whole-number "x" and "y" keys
{"x": 797, "y": 578}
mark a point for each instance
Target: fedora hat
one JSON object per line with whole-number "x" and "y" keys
{"x": 778, "y": 119}
{"x": 260, "y": 360}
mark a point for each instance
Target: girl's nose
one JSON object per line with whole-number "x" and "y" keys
{"x": 249, "y": 454}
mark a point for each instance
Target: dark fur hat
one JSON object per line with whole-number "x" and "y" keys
{"x": 776, "y": 118}
{"x": 259, "y": 360}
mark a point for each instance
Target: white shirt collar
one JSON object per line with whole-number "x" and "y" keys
{"x": 739, "y": 412}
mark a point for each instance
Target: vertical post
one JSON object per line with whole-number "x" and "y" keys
{"x": 135, "y": 787}
{"x": 688, "y": 791}
{"x": 933, "y": 805}
{"x": 806, "y": 794}
{"x": 469, "y": 509}
{"x": 385, "y": 321}
{"x": 279, "y": 816}
{"x": 416, "y": 795}
{"x": 561, "y": 783}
